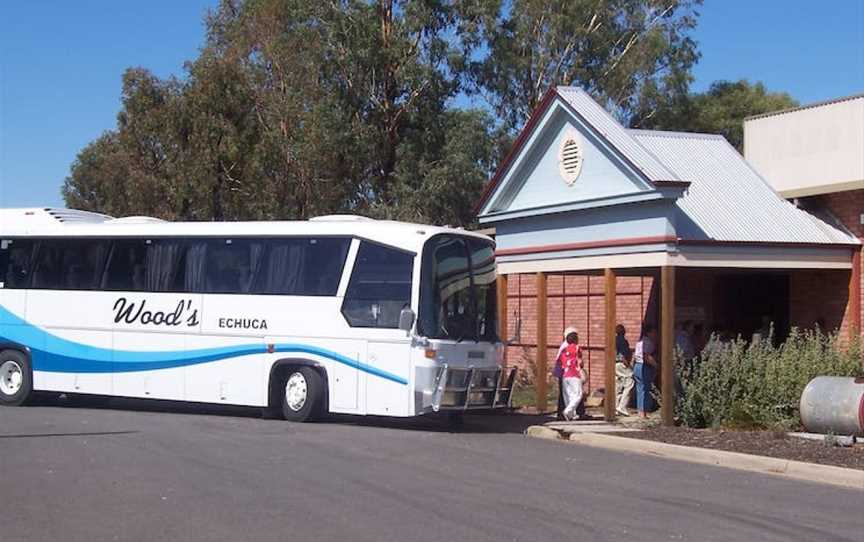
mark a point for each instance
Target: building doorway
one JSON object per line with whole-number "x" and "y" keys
{"x": 744, "y": 300}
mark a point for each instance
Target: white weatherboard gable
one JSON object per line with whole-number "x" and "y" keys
{"x": 534, "y": 179}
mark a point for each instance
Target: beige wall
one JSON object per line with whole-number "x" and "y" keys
{"x": 809, "y": 151}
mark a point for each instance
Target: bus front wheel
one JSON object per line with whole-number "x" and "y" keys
{"x": 16, "y": 378}
{"x": 302, "y": 394}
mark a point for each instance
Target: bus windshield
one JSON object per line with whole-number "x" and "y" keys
{"x": 457, "y": 292}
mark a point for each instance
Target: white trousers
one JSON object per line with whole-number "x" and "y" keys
{"x": 572, "y": 395}
{"x": 624, "y": 383}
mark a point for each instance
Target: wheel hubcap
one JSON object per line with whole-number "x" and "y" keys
{"x": 11, "y": 377}
{"x": 295, "y": 391}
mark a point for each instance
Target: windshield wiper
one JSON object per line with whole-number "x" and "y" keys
{"x": 462, "y": 335}
{"x": 462, "y": 331}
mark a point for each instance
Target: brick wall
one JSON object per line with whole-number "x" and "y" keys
{"x": 847, "y": 207}
{"x": 818, "y": 294}
{"x": 572, "y": 300}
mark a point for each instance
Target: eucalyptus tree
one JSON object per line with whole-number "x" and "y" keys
{"x": 630, "y": 55}
{"x": 721, "y": 109}
{"x": 390, "y": 108}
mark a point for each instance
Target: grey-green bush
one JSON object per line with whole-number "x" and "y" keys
{"x": 757, "y": 385}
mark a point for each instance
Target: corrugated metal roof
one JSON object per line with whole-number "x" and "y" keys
{"x": 595, "y": 115}
{"x": 806, "y": 106}
{"x": 727, "y": 200}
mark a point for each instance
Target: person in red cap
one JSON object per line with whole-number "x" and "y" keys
{"x": 570, "y": 358}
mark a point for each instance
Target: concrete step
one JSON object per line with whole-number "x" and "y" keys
{"x": 587, "y": 426}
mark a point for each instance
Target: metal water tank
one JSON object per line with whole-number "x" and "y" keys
{"x": 834, "y": 404}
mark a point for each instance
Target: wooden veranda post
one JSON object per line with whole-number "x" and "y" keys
{"x": 667, "y": 341}
{"x": 609, "y": 394}
{"x": 855, "y": 296}
{"x": 502, "y": 308}
{"x": 542, "y": 369}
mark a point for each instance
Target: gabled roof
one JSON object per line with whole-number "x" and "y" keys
{"x": 621, "y": 139}
{"x": 582, "y": 105}
{"x": 727, "y": 201}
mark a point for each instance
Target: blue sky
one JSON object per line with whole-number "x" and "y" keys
{"x": 61, "y": 62}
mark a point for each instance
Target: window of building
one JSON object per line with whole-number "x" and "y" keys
{"x": 380, "y": 287}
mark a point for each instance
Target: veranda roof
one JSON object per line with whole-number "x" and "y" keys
{"x": 727, "y": 200}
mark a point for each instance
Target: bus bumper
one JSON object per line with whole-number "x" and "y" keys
{"x": 473, "y": 388}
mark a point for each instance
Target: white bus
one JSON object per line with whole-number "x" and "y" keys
{"x": 337, "y": 314}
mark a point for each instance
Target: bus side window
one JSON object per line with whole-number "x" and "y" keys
{"x": 126, "y": 266}
{"x": 324, "y": 264}
{"x": 302, "y": 266}
{"x": 69, "y": 264}
{"x": 47, "y": 269}
{"x": 84, "y": 264}
{"x": 166, "y": 269}
{"x": 231, "y": 265}
{"x": 16, "y": 260}
{"x": 380, "y": 287}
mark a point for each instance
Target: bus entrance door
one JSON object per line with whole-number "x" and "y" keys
{"x": 387, "y": 370}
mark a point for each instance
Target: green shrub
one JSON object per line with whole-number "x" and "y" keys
{"x": 757, "y": 385}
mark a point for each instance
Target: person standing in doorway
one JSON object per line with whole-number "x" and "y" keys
{"x": 623, "y": 370}
{"x": 571, "y": 368}
{"x": 684, "y": 341}
{"x": 644, "y": 369}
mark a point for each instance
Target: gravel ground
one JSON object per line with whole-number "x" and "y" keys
{"x": 767, "y": 443}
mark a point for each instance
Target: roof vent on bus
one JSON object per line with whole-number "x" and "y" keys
{"x": 66, "y": 216}
{"x": 341, "y": 218}
{"x": 136, "y": 220}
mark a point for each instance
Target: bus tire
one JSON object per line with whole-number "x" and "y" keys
{"x": 16, "y": 378}
{"x": 302, "y": 394}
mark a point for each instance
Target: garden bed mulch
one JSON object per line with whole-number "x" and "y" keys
{"x": 766, "y": 443}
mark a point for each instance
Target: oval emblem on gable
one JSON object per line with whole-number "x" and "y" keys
{"x": 570, "y": 157}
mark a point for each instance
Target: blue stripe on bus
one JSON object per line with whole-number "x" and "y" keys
{"x": 54, "y": 354}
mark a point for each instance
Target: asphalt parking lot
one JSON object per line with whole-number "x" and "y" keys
{"x": 151, "y": 471}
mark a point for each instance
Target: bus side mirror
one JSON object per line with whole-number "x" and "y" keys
{"x": 406, "y": 320}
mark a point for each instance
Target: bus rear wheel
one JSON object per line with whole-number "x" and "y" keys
{"x": 302, "y": 394}
{"x": 16, "y": 378}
